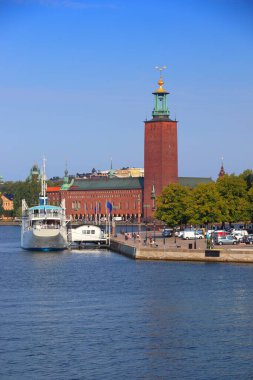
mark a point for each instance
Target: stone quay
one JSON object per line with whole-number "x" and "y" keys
{"x": 179, "y": 250}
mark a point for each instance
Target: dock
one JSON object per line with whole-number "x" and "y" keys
{"x": 181, "y": 250}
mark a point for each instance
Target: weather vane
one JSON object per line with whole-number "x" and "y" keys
{"x": 160, "y": 69}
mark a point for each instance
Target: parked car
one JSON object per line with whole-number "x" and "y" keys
{"x": 238, "y": 236}
{"x": 248, "y": 239}
{"x": 219, "y": 234}
{"x": 167, "y": 232}
{"x": 179, "y": 233}
{"x": 229, "y": 239}
{"x": 192, "y": 235}
{"x": 240, "y": 232}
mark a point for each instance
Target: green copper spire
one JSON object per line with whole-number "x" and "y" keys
{"x": 160, "y": 109}
{"x": 66, "y": 185}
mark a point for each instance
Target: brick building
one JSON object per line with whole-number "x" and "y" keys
{"x": 86, "y": 199}
{"x": 160, "y": 150}
{"x": 131, "y": 197}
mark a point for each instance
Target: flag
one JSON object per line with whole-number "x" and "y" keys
{"x": 109, "y": 206}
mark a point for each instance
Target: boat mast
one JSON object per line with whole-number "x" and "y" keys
{"x": 43, "y": 195}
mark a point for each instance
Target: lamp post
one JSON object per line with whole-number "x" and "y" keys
{"x": 195, "y": 239}
{"x": 153, "y": 203}
{"x": 154, "y": 231}
{"x": 114, "y": 224}
{"x": 153, "y": 197}
{"x": 139, "y": 213}
{"x": 175, "y": 237}
{"x": 146, "y": 206}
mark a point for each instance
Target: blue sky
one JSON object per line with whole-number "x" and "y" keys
{"x": 76, "y": 82}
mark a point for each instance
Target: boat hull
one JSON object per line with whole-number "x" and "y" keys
{"x": 47, "y": 240}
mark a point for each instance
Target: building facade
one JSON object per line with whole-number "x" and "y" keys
{"x": 160, "y": 150}
{"x": 8, "y": 206}
{"x": 87, "y": 199}
{"x": 131, "y": 195}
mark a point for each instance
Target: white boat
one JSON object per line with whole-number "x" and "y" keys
{"x": 86, "y": 234}
{"x": 44, "y": 227}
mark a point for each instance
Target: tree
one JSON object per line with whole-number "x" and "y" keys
{"x": 28, "y": 191}
{"x": 247, "y": 176}
{"x": 250, "y": 200}
{"x": 171, "y": 205}
{"x": 1, "y": 206}
{"x": 206, "y": 206}
{"x": 233, "y": 190}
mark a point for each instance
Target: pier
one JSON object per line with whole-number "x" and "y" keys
{"x": 180, "y": 250}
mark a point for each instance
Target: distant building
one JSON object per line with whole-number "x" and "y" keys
{"x": 34, "y": 174}
{"x": 222, "y": 171}
{"x": 129, "y": 172}
{"x": 7, "y": 202}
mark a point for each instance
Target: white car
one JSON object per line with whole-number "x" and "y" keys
{"x": 179, "y": 234}
{"x": 192, "y": 235}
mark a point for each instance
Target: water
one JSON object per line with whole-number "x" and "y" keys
{"x": 98, "y": 315}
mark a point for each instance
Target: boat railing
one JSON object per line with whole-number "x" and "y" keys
{"x": 44, "y": 215}
{"x": 43, "y": 227}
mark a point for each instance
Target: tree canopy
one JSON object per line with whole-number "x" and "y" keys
{"x": 229, "y": 199}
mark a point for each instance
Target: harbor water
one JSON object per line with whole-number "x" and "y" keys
{"x": 94, "y": 314}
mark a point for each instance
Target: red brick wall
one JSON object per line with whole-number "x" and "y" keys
{"x": 54, "y": 197}
{"x": 81, "y": 203}
{"x": 160, "y": 158}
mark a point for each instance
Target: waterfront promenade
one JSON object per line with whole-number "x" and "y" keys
{"x": 179, "y": 250}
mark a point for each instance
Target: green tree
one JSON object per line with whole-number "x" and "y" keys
{"x": 206, "y": 206}
{"x": 247, "y": 176}
{"x": 233, "y": 190}
{"x": 171, "y": 205}
{"x": 28, "y": 191}
{"x": 1, "y": 206}
{"x": 250, "y": 207}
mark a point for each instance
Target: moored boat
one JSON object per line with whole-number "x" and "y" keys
{"x": 44, "y": 227}
{"x": 88, "y": 234}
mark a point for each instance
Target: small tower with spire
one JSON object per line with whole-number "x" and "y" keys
{"x": 160, "y": 148}
{"x": 160, "y": 110}
{"x": 222, "y": 171}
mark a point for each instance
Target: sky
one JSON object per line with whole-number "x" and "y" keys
{"x": 77, "y": 76}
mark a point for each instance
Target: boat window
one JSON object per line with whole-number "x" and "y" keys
{"x": 93, "y": 232}
{"x": 84, "y": 232}
{"x": 88, "y": 232}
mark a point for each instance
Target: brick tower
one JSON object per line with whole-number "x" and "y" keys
{"x": 160, "y": 150}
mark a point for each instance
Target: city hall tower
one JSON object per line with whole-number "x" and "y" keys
{"x": 160, "y": 150}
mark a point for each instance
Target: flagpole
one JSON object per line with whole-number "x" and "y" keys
{"x": 106, "y": 231}
{"x": 109, "y": 229}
